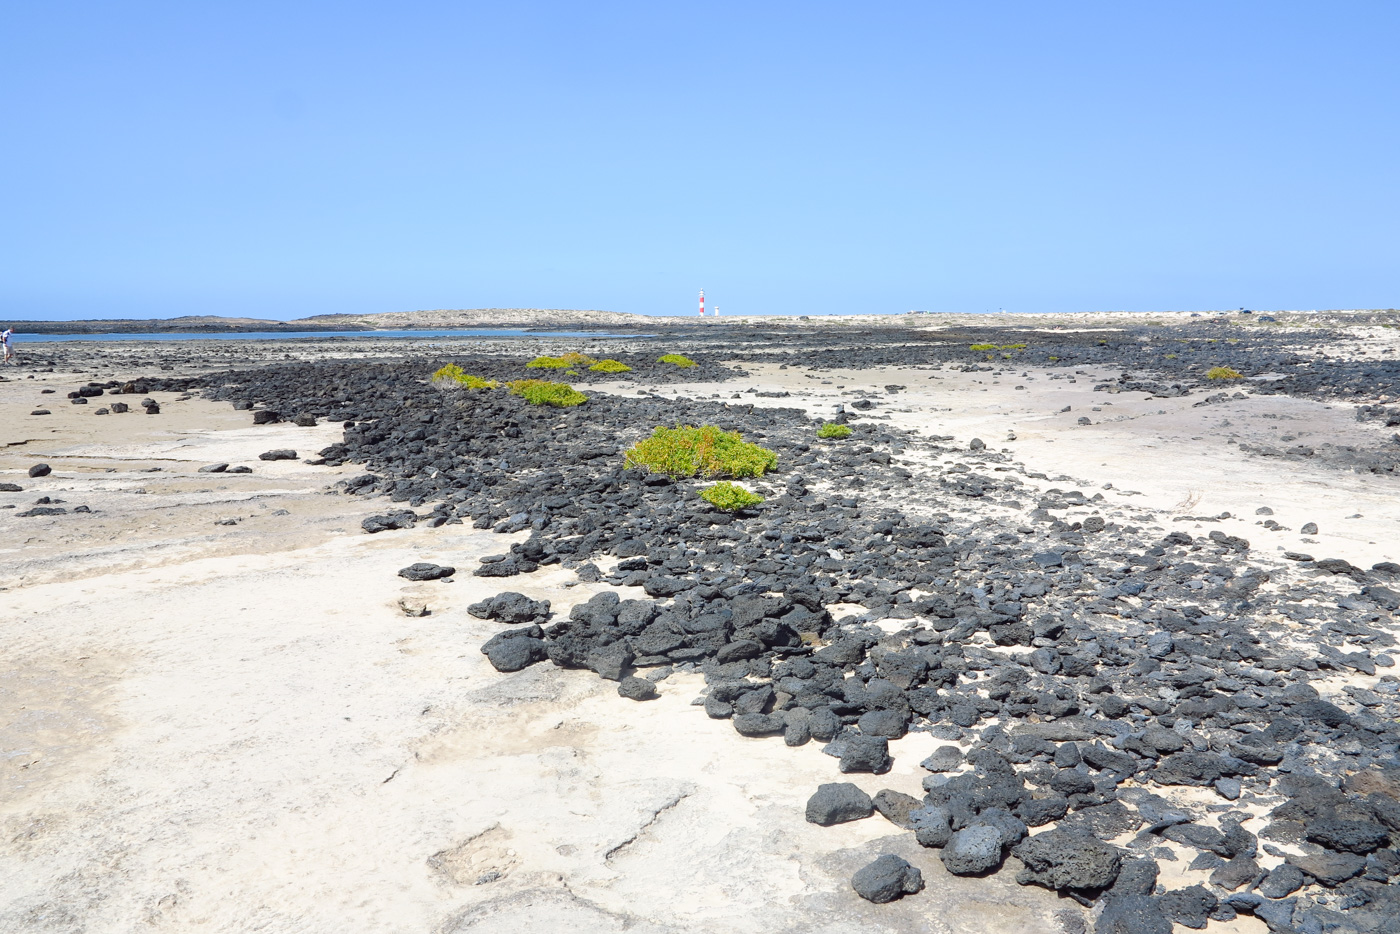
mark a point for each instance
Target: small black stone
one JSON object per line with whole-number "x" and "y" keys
{"x": 423, "y": 571}
{"x": 637, "y": 689}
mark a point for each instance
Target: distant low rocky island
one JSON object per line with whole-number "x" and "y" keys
{"x": 396, "y": 320}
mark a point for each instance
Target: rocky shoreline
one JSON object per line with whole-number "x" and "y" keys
{"x": 1114, "y": 689}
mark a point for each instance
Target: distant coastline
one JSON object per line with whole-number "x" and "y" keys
{"x": 560, "y": 319}
{"x": 523, "y": 318}
{"x": 202, "y": 325}
{"x": 24, "y": 338}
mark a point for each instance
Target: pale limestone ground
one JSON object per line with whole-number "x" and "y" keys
{"x": 233, "y": 728}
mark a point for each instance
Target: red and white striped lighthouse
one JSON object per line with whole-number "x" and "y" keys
{"x": 702, "y": 303}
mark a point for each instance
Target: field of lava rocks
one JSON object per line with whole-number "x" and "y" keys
{"x": 1102, "y": 685}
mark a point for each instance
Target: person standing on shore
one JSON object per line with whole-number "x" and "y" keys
{"x": 7, "y": 338}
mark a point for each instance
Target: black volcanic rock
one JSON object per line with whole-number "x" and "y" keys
{"x": 424, "y": 571}
{"x": 515, "y": 649}
{"x": 887, "y": 879}
{"x": 837, "y": 803}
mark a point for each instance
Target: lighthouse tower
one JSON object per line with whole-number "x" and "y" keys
{"x": 702, "y": 303}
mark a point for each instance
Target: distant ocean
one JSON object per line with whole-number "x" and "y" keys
{"x": 21, "y": 338}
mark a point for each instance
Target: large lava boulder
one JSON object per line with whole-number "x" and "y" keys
{"x": 515, "y": 649}
{"x": 1067, "y": 860}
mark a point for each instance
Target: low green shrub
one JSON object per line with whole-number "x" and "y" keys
{"x": 833, "y": 430}
{"x": 676, "y": 359}
{"x": 454, "y": 377}
{"x": 981, "y": 347}
{"x": 730, "y": 497}
{"x": 610, "y": 366}
{"x": 561, "y": 362}
{"x": 542, "y": 392}
{"x": 450, "y": 371}
{"x": 571, "y": 373}
{"x": 1223, "y": 372}
{"x": 706, "y": 451}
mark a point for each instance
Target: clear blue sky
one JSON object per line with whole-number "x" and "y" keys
{"x": 285, "y": 159}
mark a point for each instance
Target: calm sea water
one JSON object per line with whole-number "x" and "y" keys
{"x": 320, "y": 335}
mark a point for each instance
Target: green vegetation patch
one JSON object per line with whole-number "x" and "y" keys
{"x": 833, "y": 430}
{"x": 677, "y": 360}
{"x": 730, "y": 497}
{"x": 561, "y": 362}
{"x": 454, "y": 377}
{"x": 451, "y": 371}
{"x": 542, "y": 392}
{"x": 985, "y": 347}
{"x": 707, "y": 451}
{"x": 1223, "y": 372}
{"x": 610, "y": 366}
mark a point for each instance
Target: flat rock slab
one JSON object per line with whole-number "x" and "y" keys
{"x": 423, "y": 571}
